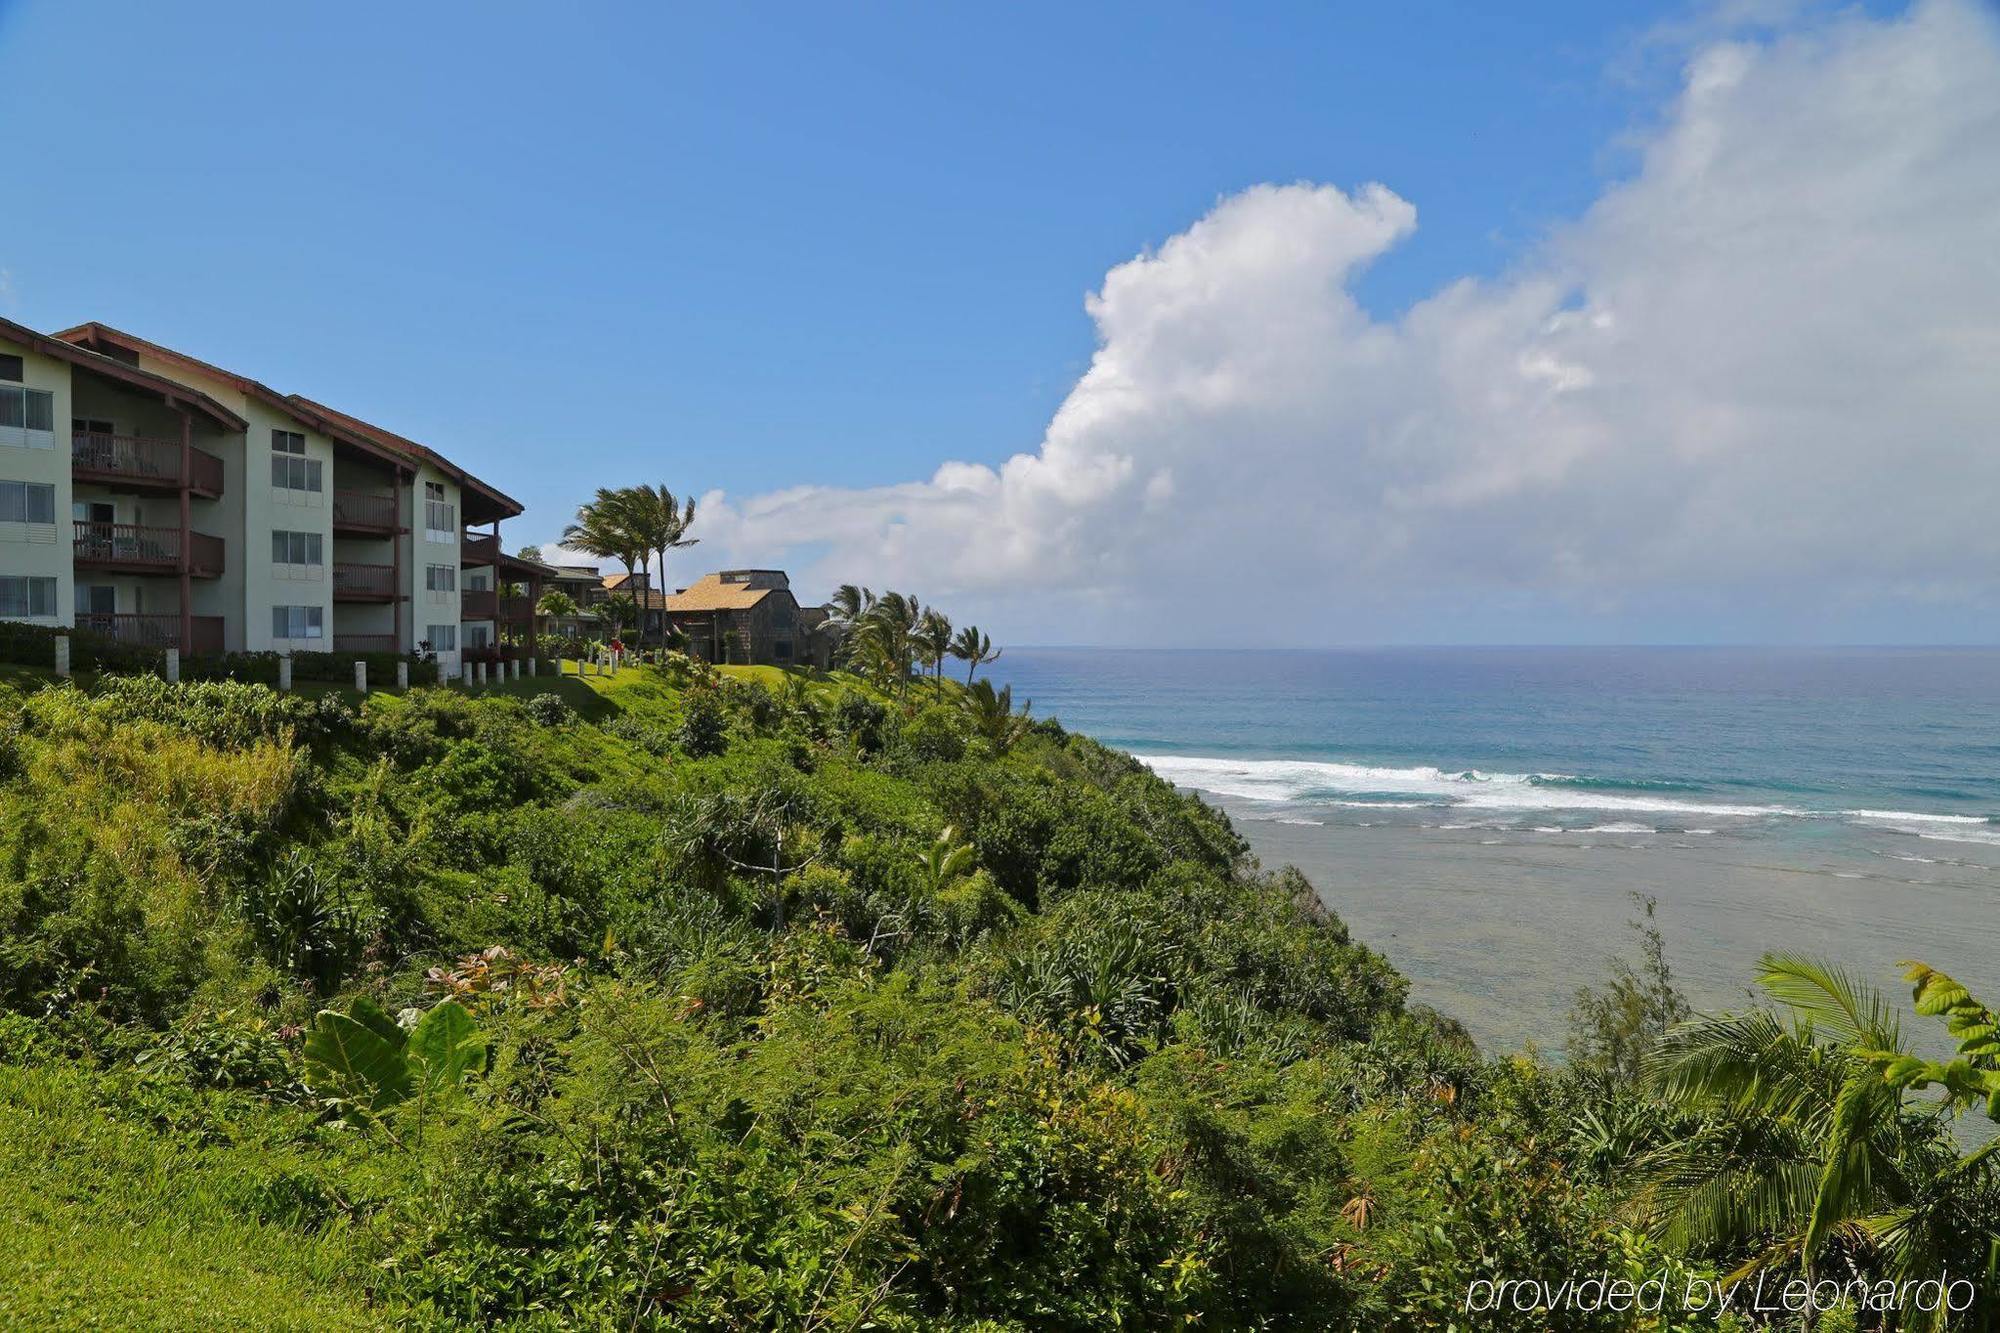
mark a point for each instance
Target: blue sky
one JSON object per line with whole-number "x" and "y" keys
{"x": 738, "y": 246}
{"x": 752, "y": 248}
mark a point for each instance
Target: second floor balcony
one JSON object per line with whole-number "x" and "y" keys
{"x": 131, "y": 548}
{"x": 354, "y": 582}
{"x": 478, "y": 604}
{"x": 142, "y": 463}
{"x": 475, "y": 549}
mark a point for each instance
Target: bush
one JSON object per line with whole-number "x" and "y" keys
{"x": 549, "y": 710}
{"x": 704, "y": 728}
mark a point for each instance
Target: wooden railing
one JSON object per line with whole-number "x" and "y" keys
{"x": 517, "y": 610}
{"x": 478, "y": 604}
{"x": 475, "y": 550}
{"x": 155, "y": 630}
{"x": 364, "y": 581}
{"x": 146, "y": 550}
{"x": 358, "y": 509}
{"x": 141, "y": 460}
{"x": 364, "y": 643}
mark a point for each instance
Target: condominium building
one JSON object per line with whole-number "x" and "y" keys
{"x": 188, "y": 506}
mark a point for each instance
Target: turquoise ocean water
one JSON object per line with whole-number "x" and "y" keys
{"x": 1482, "y": 815}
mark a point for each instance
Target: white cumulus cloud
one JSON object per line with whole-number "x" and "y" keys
{"x": 1761, "y": 372}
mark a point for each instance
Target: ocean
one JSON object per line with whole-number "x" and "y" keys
{"x": 1482, "y": 816}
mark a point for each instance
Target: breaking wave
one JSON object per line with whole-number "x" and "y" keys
{"x": 1313, "y": 782}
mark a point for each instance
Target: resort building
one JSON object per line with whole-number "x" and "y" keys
{"x": 151, "y": 497}
{"x": 746, "y": 616}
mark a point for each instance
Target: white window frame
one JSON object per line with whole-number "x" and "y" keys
{"x": 442, "y": 638}
{"x": 28, "y": 490}
{"x": 14, "y": 400}
{"x": 291, "y": 470}
{"x": 299, "y": 622}
{"x": 20, "y": 591}
{"x": 439, "y": 508}
{"x": 300, "y": 548}
{"x": 441, "y": 578}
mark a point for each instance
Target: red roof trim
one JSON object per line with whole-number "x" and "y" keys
{"x": 96, "y": 361}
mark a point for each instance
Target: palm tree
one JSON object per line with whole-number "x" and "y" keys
{"x": 933, "y": 643}
{"x": 883, "y": 643}
{"x": 618, "y": 610}
{"x": 555, "y": 605}
{"x": 992, "y": 714}
{"x": 974, "y": 649}
{"x": 607, "y": 528}
{"x": 661, "y": 523}
{"x": 1803, "y": 1152}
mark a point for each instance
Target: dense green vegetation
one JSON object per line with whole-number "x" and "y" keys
{"x": 707, "y": 1000}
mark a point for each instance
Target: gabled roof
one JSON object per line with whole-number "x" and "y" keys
{"x": 338, "y": 425}
{"x": 711, "y": 592}
{"x": 175, "y": 393}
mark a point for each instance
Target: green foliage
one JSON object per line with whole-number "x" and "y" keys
{"x": 704, "y": 728}
{"x": 1613, "y": 1029}
{"x": 549, "y": 710}
{"x": 364, "y": 1063}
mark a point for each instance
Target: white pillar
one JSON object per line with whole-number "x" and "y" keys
{"x": 531, "y": 667}
{"x": 514, "y": 668}
{"x": 285, "y": 672}
{"x": 479, "y": 673}
{"x": 361, "y": 677}
{"x": 402, "y": 675}
{"x": 173, "y": 666}
{"x": 62, "y": 655}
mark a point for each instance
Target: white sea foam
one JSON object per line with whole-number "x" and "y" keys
{"x": 1314, "y": 782}
{"x": 1309, "y": 780}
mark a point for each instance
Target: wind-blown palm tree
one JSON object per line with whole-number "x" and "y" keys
{"x": 618, "y": 610}
{"x": 607, "y": 528}
{"x": 992, "y": 714}
{"x": 661, "y": 523}
{"x": 883, "y": 643}
{"x": 974, "y": 649}
{"x": 555, "y": 605}
{"x": 1804, "y": 1152}
{"x": 933, "y": 643}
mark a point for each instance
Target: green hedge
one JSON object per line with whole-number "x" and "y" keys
{"x": 35, "y": 646}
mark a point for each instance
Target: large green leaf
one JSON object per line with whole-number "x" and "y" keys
{"x": 445, "y": 1046}
{"x": 349, "y": 1060}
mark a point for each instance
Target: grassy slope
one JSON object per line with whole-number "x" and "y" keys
{"x": 121, "y": 1219}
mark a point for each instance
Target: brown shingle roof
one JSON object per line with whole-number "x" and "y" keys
{"x": 710, "y": 593}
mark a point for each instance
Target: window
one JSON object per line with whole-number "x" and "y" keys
{"x": 291, "y": 470}
{"x": 297, "y": 548}
{"x": 298, "y": 622}
{"x": 441, "y": 578}
{"x": 440, "y": 516}
{"x": 27, "y": 597}
{"x": 96, "y": 599}
{"x": 91, "y": 426}
{"x": 12, "y": 368}
{"x": 782, "y": 650}
{"x": 443, "y": 638}
{"x": 478, "y": 636}
{"x": 27, "y": 502}
{"x": 26, "y": 415}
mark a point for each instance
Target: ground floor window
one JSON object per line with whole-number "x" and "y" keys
{"x": 298, "y": 622}
{"x": 27, "y": 596}
{"x": 96, "y": 599}
{"x": 478, "y": 636}
{"x": 443, "y": 638}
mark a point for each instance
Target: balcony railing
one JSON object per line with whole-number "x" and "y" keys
{"x": 141, "y": 462}
{"x": 364, "y": 643}
{"x": 478, "y": 604}
{"x": 364, "y": 583}
{"x": 517, "y": 610}
{"x": 143, "y": 550}
{"x": 474, "y": 550}
{"x": 358, "y": 511}
{"x": 155, "y": 631}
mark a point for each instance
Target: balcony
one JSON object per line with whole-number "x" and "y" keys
{"x": 364, "y": 643}
{"x": 139, "y": 463}
{"x": 155, "y": 631}
{"x": 478, "y": 550}
{"x": 128, "y": 548}
{"x": 360, "y": 512}
{"x": 517, "y": 610}
{"x": 363, "y": 583}
{"x": 478, "y": 604}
